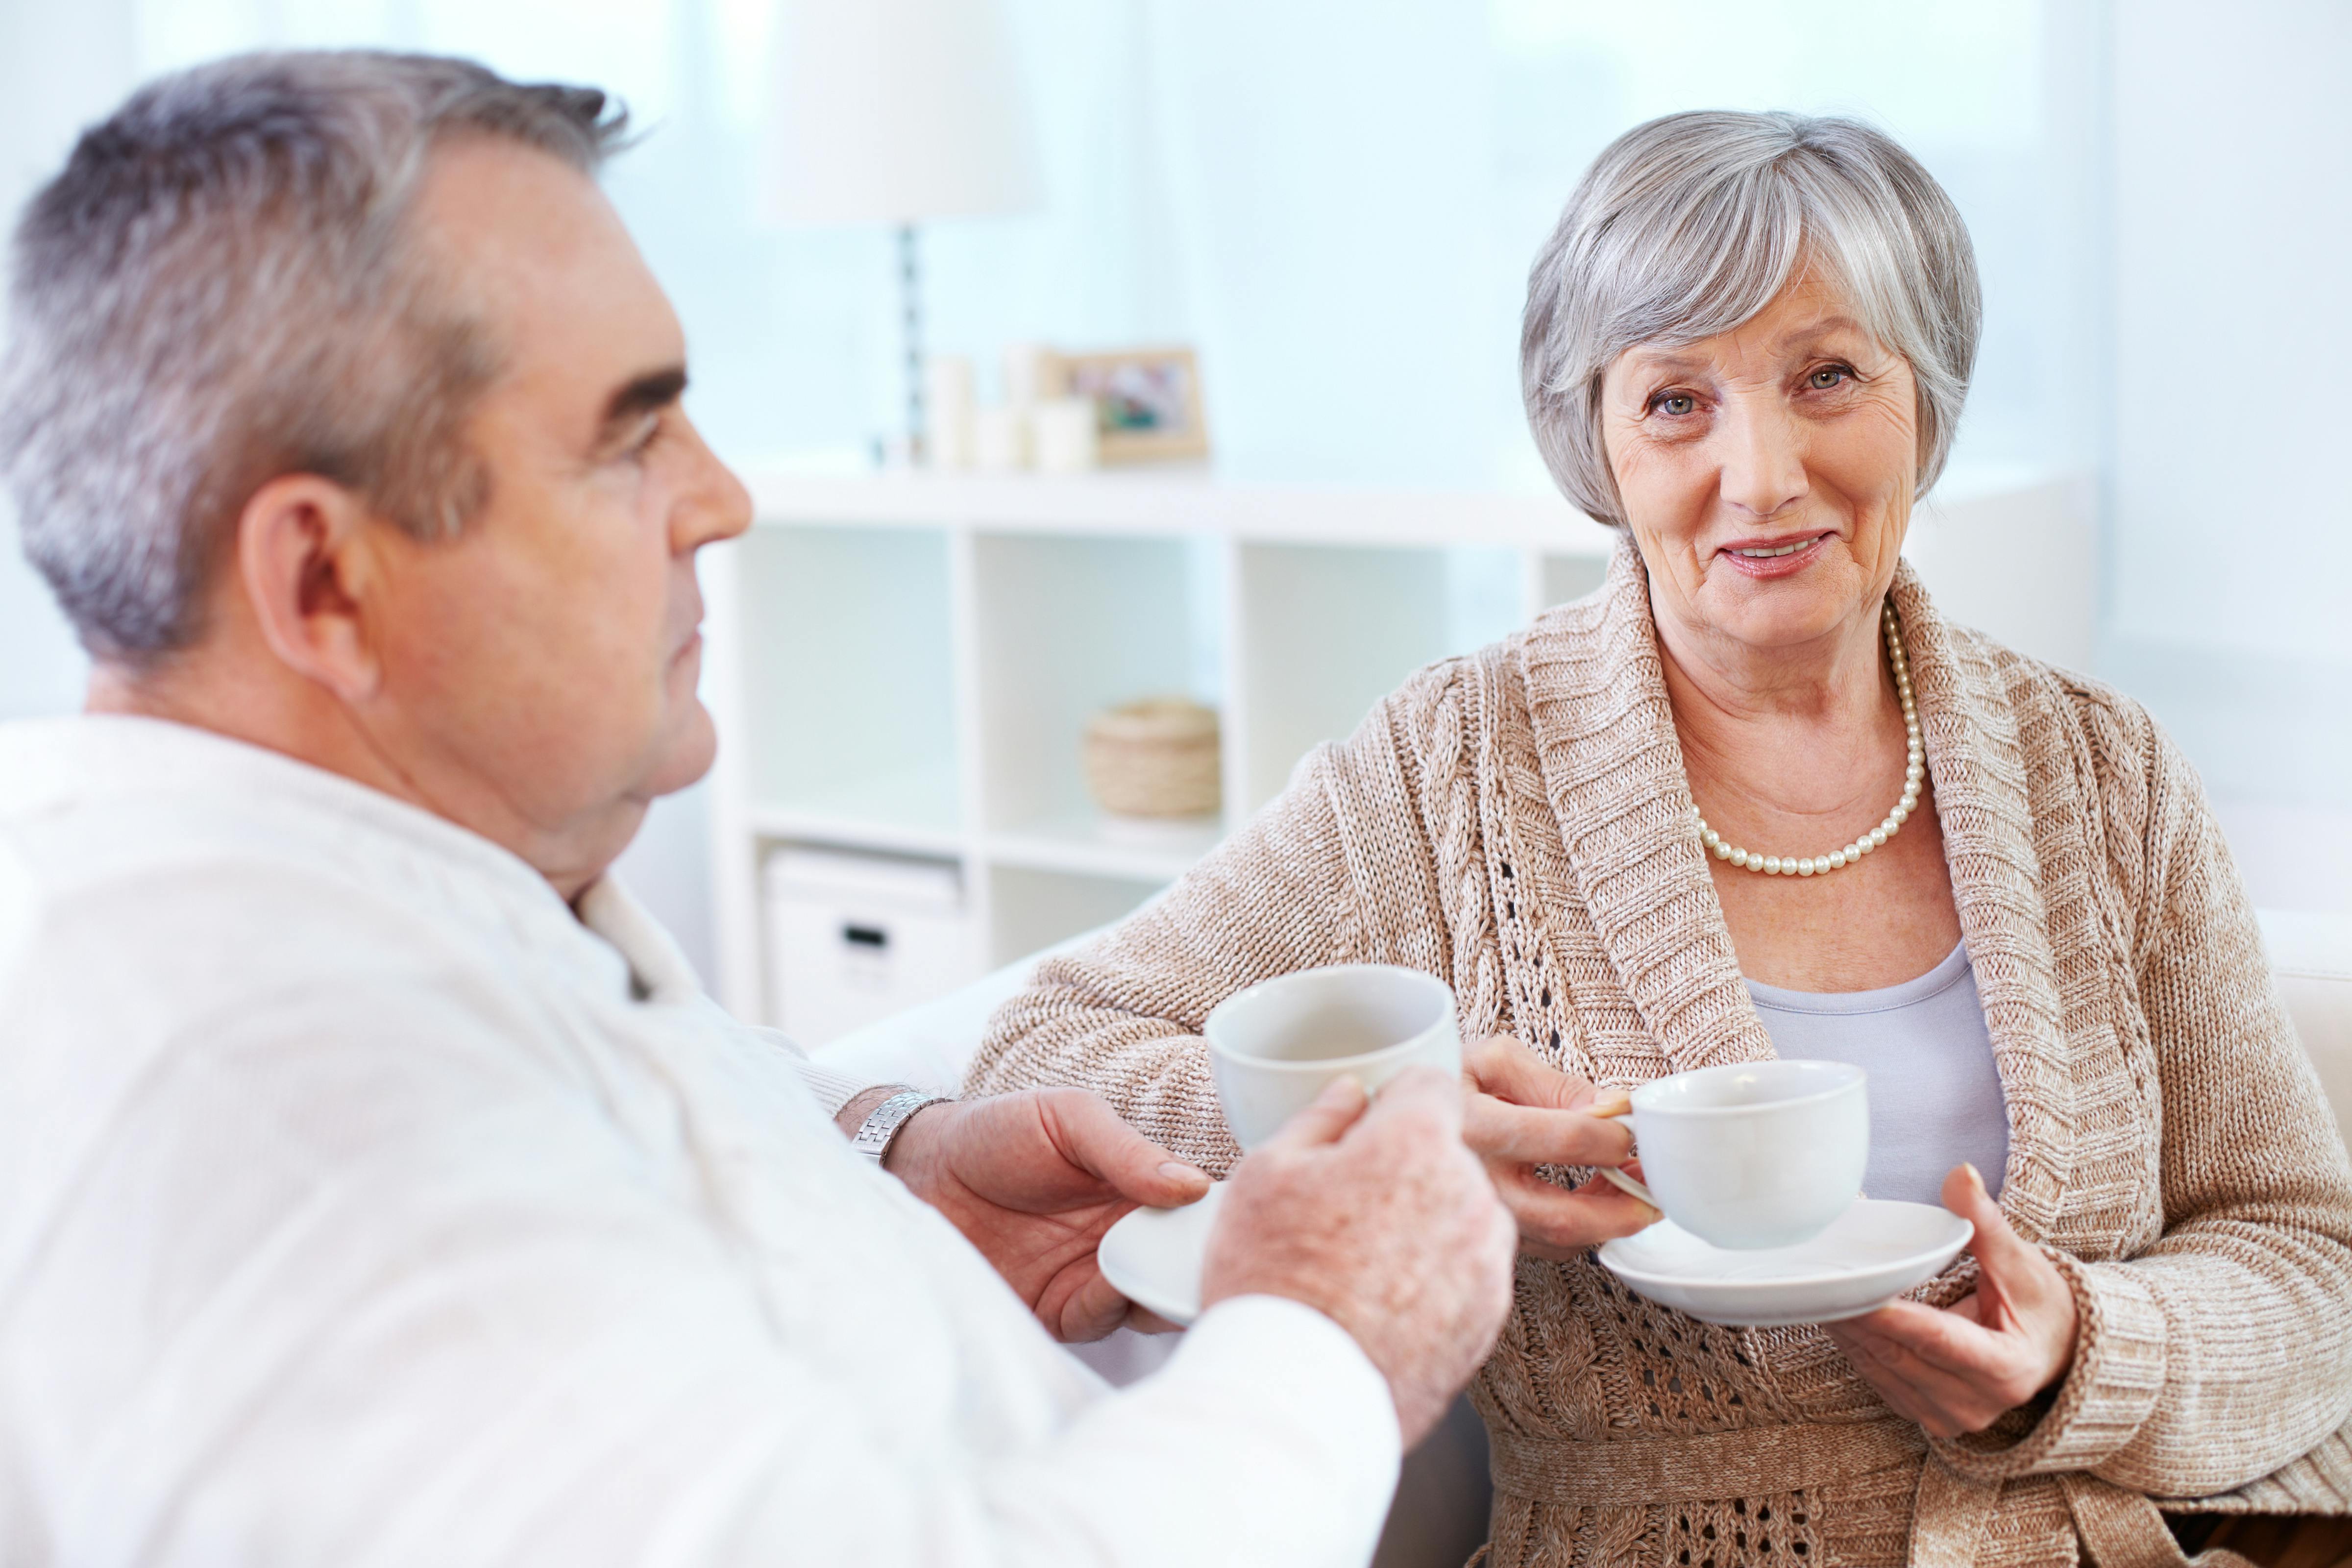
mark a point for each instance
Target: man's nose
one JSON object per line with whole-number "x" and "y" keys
{"x": 715, "y": 506}
{"x": 1763, "y": 456}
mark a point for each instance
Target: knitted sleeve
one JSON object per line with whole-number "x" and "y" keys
{"x": 2225, "y": 1349}
{"x": 1337, "y": 869}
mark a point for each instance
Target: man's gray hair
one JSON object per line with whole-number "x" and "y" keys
{"x": 222, "y": 287}
{"x": 1690, "y": 225}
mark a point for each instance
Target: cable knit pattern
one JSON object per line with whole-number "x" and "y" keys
{"x": 1518, "y": 822}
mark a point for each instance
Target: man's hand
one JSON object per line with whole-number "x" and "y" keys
{"x": 1517, "y": 1113}
{"x": 1034, "y": 1180}
{"x": 1385, "y": 1222}
{"x": 1957, "y": 1370}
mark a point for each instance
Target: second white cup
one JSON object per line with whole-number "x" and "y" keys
{"x": 1754, "y": 1154}
{"x": 1275, "y": 1046}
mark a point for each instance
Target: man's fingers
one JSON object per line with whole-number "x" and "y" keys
{"x": 1526, "y": 1135}
{"x": 1093, "y": 1137}
{"x": 1419, "y": 1094}
{"x": 1091, "y": 1311}
{"x": 1333, "y": 1111}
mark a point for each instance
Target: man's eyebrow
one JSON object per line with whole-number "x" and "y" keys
{"x": 653, "y": 390}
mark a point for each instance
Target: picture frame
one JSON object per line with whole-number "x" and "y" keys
{"x": 1147, "y": 403}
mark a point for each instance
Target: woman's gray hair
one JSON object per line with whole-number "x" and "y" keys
{"x": 1690, "y": 225}
{"x": 221, "y": 287}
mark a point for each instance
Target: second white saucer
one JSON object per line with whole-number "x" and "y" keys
{"x": 1153, "y": 1256}
{"x": 1868, "y": 1256}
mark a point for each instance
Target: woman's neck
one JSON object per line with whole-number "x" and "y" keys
{"x": 1801, "y": 730}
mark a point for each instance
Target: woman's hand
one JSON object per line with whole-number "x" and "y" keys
{"x": 1518, "y": 1113}
{"x": 1957, "y": 1370}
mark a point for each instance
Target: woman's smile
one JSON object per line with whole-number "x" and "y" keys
{"x": 1771, "y": 558}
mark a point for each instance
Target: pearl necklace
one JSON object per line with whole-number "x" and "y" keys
{"x": 1915, "y": 769}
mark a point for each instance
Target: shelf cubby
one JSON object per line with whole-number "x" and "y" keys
{"x": 846, "y": 674}
{"x": 1063, "y": 626}
{"x": 1326, "y": 631}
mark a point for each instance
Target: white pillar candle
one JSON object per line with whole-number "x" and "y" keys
{"x": 1001, "y": 439}
{"x": 1066, "y": 435}
{"x": 948, "y": 401}
{"x": 1032, "y": 374}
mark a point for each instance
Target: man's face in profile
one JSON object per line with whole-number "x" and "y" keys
{"x": 550, "y": 652}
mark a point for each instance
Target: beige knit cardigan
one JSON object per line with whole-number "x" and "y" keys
{"x": 1517, "y": 822}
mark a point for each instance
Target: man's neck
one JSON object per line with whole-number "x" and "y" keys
{"x": 251, "y": 701}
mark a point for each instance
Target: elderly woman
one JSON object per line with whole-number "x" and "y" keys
{"x": 1756, "y": 793}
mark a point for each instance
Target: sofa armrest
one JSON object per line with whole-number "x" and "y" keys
{"x": 2311, "y": 954}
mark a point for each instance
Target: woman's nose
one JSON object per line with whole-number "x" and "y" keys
{"x": 1763, "y": 457}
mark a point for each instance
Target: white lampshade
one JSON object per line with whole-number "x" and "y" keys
{"x": 895, "y": 111}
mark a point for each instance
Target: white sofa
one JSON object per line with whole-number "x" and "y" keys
{"x": 1440, "y": 1514}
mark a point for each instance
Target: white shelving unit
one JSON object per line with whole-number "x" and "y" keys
{"x": 902, "y": 664}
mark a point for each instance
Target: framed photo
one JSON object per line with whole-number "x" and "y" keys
{"x": 1147, "y": 403}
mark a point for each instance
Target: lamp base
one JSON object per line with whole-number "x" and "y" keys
{"x": 910, "y": 322}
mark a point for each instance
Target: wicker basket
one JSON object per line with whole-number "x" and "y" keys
{"x": 1154, "y": 758}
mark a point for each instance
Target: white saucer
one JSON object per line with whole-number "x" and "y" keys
{"x": 1868, "y": 1256}
{"x": 1153, "y": 1256}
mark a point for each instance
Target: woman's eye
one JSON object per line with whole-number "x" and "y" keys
{"x": 1828, "y": 376}
{"x": 1674, "y": 403}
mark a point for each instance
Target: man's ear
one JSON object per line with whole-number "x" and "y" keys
{"x": 306, "y": 559}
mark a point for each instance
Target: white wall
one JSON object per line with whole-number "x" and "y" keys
{"x": 60, "y": 66}
{"x": 2232, "y": 523}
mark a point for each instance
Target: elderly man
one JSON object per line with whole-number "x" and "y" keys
{"x": 376, "y": 1185}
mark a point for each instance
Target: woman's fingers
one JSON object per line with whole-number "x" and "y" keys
{"x": 1522, "y": 1135}
{"x": 1946, "y": 1363}
{"x": 1867, "y": 1355}
{"x": 1522, "y": 1112}
{"x": 1942, "y": 1362}
{"x": 1957, "y": 1370}
{"x": 1503, "y": 1066}
{"x": 2007, "y": 1265}
{"x": 1559, "y": 1223}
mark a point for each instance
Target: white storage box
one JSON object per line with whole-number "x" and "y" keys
{"x": 854, "y": 938}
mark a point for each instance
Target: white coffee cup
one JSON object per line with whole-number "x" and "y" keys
{"x": 1755, "y": 1154}
{"x": 1275, "y": 1046}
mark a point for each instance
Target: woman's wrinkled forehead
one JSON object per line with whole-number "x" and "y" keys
{"x": 1814, "y": 312}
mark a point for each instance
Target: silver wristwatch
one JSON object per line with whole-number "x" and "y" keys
{"x": 882, "y": 1123}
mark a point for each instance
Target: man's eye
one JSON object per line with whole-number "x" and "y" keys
{"x": 1676, "y": 403}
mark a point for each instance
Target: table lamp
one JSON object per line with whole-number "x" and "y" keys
{"x": 897, "y": 113}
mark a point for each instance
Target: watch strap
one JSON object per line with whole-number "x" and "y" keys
{"x": 882, "y": 1123}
